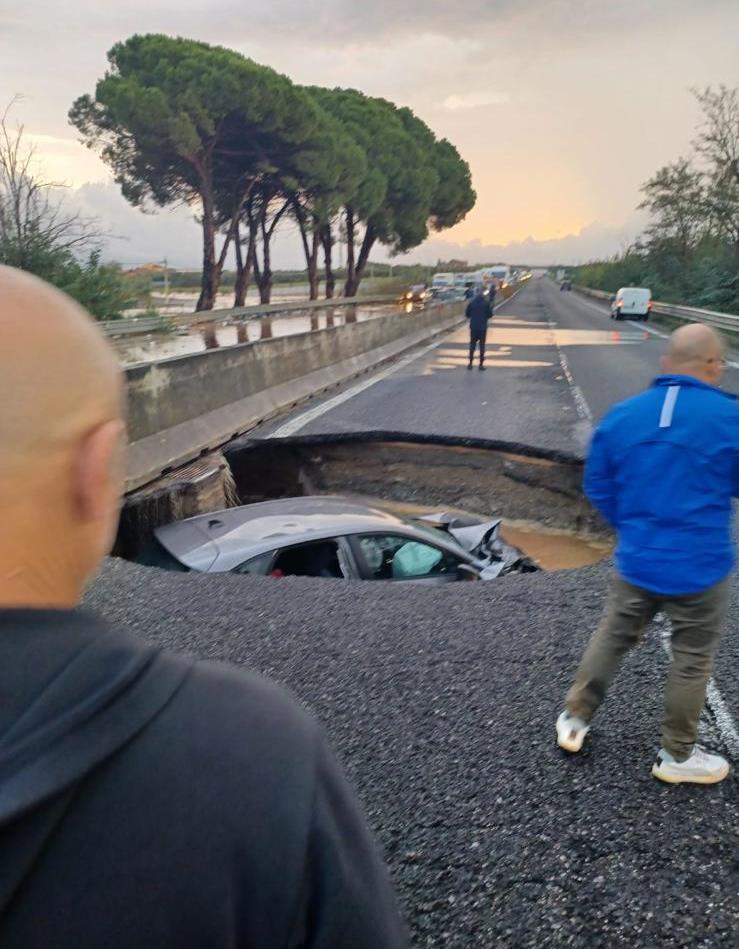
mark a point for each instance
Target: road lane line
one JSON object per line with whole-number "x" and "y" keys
{"x": 293, "y": 426}
{"x": 581, "y": 403}
{"x": 725, "y": 724}
{"x": 305, "y": 418}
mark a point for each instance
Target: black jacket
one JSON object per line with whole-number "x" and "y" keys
{"x": 150, "y": 801}
{"x": 478, "y": 312}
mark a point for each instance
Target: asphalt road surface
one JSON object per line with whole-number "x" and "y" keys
{"x": 556, "y": 363}
{"x": 441, "y": 702}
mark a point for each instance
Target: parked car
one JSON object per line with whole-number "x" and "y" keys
{"x": 566, "y": 285}
{"x": 632, "y": 303}
{"x": 336, "y": 537}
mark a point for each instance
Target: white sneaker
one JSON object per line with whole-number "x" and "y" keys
{"x": 571, "y": 732}
{"x": 700, "y": 768}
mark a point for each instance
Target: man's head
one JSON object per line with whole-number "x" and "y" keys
{"x": 696, "y": 350}
{"x": 62, "y": 439}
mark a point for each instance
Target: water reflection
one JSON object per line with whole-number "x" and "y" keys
{"x": 136, "y": 349}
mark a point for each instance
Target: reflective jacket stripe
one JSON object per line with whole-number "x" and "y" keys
{"x": 668, "y": 406}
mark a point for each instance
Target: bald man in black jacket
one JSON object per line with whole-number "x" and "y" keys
{"x": 146, "y": 800}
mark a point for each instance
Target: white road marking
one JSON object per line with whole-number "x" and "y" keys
{"x": 581, "y": 403}
{"x": 725, "y": 723}
{"x": 294, "y": 425}
{"x": 305, "y": 418}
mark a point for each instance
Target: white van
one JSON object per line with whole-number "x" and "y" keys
{"x": 631, "y": 303}
{"x": 442, "y": 280}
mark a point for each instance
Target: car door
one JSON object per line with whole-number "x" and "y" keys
{"x": 331, "y": 557}
{"x": 396, "y": 557}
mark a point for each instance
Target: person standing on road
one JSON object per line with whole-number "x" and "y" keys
{"x": 146, "y": 799}
{"x": 663, "y": 469}
{"x": 491, "y": 296}
{"x": 478, "y": 312}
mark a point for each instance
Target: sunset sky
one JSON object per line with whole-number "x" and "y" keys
{"x": 561, "y": 108}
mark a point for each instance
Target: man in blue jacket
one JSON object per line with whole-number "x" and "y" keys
{"x": 478, "y": 312}
{"x": 663, "y": 469}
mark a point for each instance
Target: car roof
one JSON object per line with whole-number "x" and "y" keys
{"x": 234, "y": 535}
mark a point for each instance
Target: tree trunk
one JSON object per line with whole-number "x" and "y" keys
{"x": 264, "y": 276}
{"x": 314, "y": 280}
{"x": 265, "y": 282}
{"x": 243, "y": 271}
{"x": 212, "y": 267}
{"x": 211, "y": 277}
{"x": 328, "y": 242}
{"x": 310, "y": 249}
{"x": 364, "y": 254}
{"x": 350, "y": 287}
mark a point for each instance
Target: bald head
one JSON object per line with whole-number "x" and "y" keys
{"x": 696, "y": 350}
{"x": 60, "y": 426}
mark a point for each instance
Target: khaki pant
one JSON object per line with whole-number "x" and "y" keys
{"x": 697, "y": 620}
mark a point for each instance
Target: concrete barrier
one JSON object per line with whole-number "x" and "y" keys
{"x": 180, "y": 407}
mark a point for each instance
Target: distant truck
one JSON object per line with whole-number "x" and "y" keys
{"x": 499, "y": 276}
{"x": 442, "y": 280}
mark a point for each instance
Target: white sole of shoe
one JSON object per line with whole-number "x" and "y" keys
{"x": 571, "y": 743}
{"x": 685, "y": 779}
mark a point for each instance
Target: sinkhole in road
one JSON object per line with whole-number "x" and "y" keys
{"x": 537, "y": 493}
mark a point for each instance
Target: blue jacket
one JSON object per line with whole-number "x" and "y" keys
{"x": 663, "y": 469}
{"x": 478, "y": 312}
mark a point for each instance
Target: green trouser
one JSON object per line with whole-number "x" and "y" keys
{"x": 697, "y": 620}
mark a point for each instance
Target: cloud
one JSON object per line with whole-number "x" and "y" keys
{"x": 475, "y": 100}
{"x": 594, "y": 242}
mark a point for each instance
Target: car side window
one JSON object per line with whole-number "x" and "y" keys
{"x": 317, "y": 559}
{"x": 393, "y": 557}
{"x": 257, "y": 565}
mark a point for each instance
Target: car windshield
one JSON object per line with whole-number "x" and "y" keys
{"x": 436, "y": 533}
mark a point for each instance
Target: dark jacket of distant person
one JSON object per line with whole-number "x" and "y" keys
{"x": 478, "y": 312}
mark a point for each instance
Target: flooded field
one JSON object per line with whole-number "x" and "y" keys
{"x": 155, "y": 346}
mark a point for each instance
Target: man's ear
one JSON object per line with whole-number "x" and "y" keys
{"x": 98, "y": 470}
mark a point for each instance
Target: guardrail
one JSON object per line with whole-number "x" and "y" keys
{"x": 163, "y": 322}
{"x": 128, "y": 326}
{"x": 684, "y": 314}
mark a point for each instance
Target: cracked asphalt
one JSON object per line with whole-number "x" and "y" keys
{"x": 441, "y": 702}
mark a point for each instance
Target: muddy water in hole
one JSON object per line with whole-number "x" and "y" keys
{"x": 552, "y": 550}
{"x": 555, "y": 551}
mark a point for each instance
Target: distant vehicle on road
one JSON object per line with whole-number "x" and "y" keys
{"x": 337, "y": 537}
{"x": 416, "y": 294}
{"x": 442, "y": 280}
{"x": 631, "y": 303}
{"x": 445, "y": 295}
{"x": 566, "y": 285}
{"x": 500, "y": 275}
